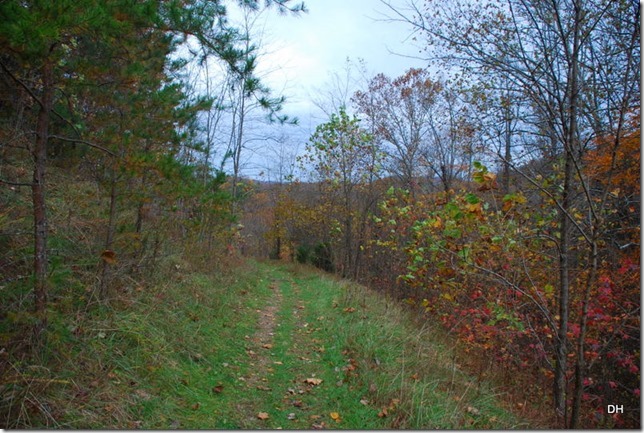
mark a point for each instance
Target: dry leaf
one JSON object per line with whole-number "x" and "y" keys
{"x": 335, "y": 416}
{"x": 349, "y": 310}
{"x": 291, "y": 416}
{"x": 217, "y": 389}
{"x": 267, "y": 346}
{"x": 262, "y": 416}
{"x": 313, "y": 381}
{"x": 473, "y": 410}
{"x": 364, "y": 401}
{"x": 383, "y": 413}
{"x": 108, "y": 257}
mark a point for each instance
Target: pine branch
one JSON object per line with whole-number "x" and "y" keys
{"x": 87, "y": 143}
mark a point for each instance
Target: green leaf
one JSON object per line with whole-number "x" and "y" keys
{"x": 471, "y": 198}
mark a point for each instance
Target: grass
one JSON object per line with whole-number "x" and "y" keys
{"x": 221, "y": 351}
{"x": 408, "y": 379}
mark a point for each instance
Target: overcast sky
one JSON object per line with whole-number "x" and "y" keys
{"x": 301, "y": 52}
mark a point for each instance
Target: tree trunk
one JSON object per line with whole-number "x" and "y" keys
{"x": 561, "y": 349}
{"x": 570, "y": 149}
{"x": 580, "y": 371}
{"x": 39, "y": 153}
{"x": 109, "y": 238}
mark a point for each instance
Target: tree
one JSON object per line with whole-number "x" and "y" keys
{"x": 43, "y": 56}
{"x": 423, "y": 122}
{"x": 557, "y": 54}
{"x": 346, "y": 163}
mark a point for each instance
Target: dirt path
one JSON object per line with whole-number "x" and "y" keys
{"x": 259, "y": 348}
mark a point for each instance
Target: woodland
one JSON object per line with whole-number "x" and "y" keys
{"x": 495, "y": 193}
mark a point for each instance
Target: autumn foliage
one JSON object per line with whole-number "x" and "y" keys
{"x": 481, "y": 263}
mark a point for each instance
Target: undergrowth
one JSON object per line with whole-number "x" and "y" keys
{"x": 181, "y": 350}
{"x": 113, "y": 366}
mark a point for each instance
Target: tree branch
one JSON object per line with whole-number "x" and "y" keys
{"x": 87, "y": 143}
{"x": 14, "y": 183}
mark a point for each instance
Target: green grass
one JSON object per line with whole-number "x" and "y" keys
{"x": 398, "y": 367}
{"x": 191, "y": 352}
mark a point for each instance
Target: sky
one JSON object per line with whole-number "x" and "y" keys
{"x": 300, "y": 53}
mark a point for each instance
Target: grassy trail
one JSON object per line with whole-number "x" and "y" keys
{"x": 267, "y": 346}
{"x": 327, "y": 354}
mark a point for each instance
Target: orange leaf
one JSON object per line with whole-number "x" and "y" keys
{"x": 109, "y": 257}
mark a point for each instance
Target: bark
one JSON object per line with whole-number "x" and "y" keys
{"x": 580, "y": 369}
{"x": 109, "y": 238}
{"x": 570, "y": 149}
{"x": 561, "y": 349}
{"x": 39, "y": 154}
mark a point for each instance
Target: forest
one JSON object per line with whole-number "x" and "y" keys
{"x": 495, "y": 192}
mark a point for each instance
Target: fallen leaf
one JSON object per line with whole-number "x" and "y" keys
{"x": 473, "y": 410}
{"x": 262, "y": 416}
{"x": 267, "y": 346}
{"x": 349, "y": 310}
{"x": 291, "y": 416}
{"x": 195, "y": 406}
{"x": 142, "y": 394}
{"x": 109, "y": 257}
{"x": 313, "y": 381}
{"x": 364, "y": 401}
{"x": 136, "y": 425}
{"x": 335, "y": 416}
{"x": 263, "y": 388}
{"x": 383, "y": 413}
{"x": 298, "y": 403}
{"x": 217, "y": 389}
{"x": 320, "y": 426}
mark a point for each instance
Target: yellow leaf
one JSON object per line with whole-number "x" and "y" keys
{"x": 473, "y": 208}
{"x": 438, "y": 223}
{"x": 335, "y": 416}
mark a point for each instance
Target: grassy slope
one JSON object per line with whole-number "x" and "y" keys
{"x": 203, "y": 351}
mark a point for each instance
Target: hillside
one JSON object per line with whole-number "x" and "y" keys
{"x": 267, "y": 346}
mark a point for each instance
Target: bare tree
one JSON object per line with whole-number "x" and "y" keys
{"x": 574, "y": 62}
